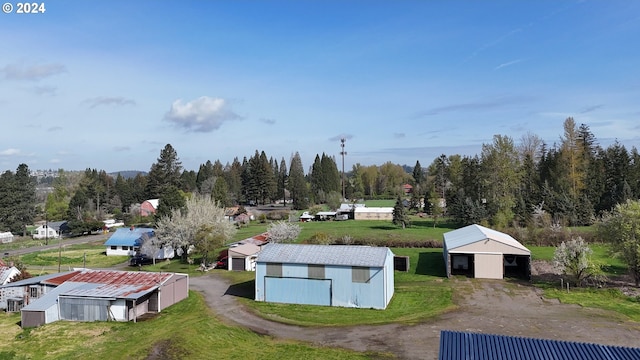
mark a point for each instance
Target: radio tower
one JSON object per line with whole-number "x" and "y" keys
{"x": 343, "y": 153}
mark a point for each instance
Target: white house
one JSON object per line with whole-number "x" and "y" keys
{"x": 127, "y": 241}
{"x": 49, "y": 230}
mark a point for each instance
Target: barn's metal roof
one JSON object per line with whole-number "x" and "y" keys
{"x": 467, "y": 346}
{"x": 245, "y": 249}
{"x": 474, "y": 233}
{"x": 347, "y": 255}
{"x": 129, "y": 237}
{"x": 383, "y": 210}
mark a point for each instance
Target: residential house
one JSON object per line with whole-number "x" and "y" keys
{"x": 149, "y": 207}
{"x": 480, "y": 252}
{"x": 50, "y": 230}
{"x": 98, "y": 295}
{"x": 7, "y": 272}
{"x": 331, "y": 275}
{"x": 127, "y": 241}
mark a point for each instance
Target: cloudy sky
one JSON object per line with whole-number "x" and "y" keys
{"x": 107, "y": 84}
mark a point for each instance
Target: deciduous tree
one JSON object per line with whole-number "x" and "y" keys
{"x": 622, "y": 229}
{"x": 283, "y": 231}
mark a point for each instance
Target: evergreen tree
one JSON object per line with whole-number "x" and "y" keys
{"x": 164, "y": 173}
{"x": 171, "y": 199}
{"x": 298, "y": 184}
{"x": 400, "y": 216}
{"x": 282, "y": 182}
{"x": 418, "y": 175}
{"x": 220, "y": 192}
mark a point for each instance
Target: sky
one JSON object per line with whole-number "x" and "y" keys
{"x": 107, "y": 84}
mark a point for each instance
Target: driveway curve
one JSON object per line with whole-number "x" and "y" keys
{"x": 486, "y": 306}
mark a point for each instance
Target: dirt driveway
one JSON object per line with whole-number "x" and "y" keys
{"x": 487, "y": 306}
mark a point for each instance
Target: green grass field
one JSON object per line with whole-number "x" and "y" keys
{"x": 186, "y": 330}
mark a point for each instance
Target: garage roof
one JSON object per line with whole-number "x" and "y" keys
{"x": 465, "y": 345}
{"x": 474, "y": 233}
{"x": 347, "y": 255}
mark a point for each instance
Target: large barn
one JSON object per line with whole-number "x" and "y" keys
{"x": 480, "y": 252}
{"x": 330, "y": 275}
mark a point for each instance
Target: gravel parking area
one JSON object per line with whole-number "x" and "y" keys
{"x": 487, "y": 306}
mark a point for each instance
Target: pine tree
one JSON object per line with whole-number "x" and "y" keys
{"x": 400, "y": 216}
{"x": 164, "y": 173}
{"x": 282, "y": 182}
{"x": 298, "y": 184}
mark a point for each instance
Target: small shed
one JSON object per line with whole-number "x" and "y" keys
{"x": 127, "y": 241}
{"x": 330, "y": 275}
{"x": 456, "y": 345}
{"x": 6, "y": 237}
{"x": 480, "y": 252}
{"x": 243, "y": 257}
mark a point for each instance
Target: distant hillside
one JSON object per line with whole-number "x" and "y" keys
{"x": 127, "y": 173}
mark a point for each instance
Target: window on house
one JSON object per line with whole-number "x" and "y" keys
{"x": 14, "y": 305}
{"x": 114, "y": 247}
{"x": 315, "y": 271}
{"x": 34, "y": 292}
{"x": 360, "y": 274}
{"x": 274, "y": 269}
{"x": 125, "y": 248}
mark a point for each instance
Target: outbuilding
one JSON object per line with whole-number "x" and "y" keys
{"x": 100, "y": 295}
{"x": 480, "y": 252}
{"x": 330, "y": 275}
{"x": 243, "y": 257}
{"x": 127, "y": 241}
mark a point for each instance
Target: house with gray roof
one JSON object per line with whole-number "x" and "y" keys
{"x": 330, "y": 275}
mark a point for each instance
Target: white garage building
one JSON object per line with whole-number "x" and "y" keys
{"x": 480, "y": 252}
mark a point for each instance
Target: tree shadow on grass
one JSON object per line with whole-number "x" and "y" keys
{"x": 385, "y": 227}
{"x": 430, "y": 263}
{"x": 244, "y": 290}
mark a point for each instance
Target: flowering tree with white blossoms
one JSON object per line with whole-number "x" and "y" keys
{"x": 282, "y": 231}
{"x": 201, "y": 223}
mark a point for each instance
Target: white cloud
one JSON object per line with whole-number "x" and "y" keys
{"x": 268, "y": 121}
{"x": 509, "y": 63}
{"x": 203, "y": 114}
{"x": 106, "y": 100}
{"x": 9, "y": 152}
{"x": 34, "y": 72}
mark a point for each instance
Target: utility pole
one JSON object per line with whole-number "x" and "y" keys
{"x": 343, "y": 153}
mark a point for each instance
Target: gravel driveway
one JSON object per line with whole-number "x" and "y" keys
{"x": 487, "y": 306}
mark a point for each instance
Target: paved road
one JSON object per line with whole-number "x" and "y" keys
{"x": 55, "y": 243}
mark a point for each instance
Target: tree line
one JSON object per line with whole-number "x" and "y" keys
{"x": 571, "y": 182}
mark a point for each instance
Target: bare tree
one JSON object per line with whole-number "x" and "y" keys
{"x": 283, "y": 231}
{"x": 202, "y": 220}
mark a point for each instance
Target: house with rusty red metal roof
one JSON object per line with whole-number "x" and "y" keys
{"x": 95, "y": 295}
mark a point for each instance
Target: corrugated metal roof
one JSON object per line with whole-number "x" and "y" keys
{"x": 347, "y": 255}
{"x": 46, "y": 279}
{"x": 50, "y": 298}
{"x": 474, "y": 233}
{"x": 129, "y": 237}
{"x": 384, "y": 210}
{"x": 245, "y": 249}
{"x": 467, "y": 346}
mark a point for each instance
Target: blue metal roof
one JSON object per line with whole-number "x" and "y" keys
{"x": 456, "y": 345}
{"x": 129, "y": 237}
{"x": 347, "y": 255}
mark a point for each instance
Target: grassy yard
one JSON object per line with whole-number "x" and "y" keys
{"x": 369, "y": 230}
{"x": 186, "y": 330}
{"x": 71, "y": 256}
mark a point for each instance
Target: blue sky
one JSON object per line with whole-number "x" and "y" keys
{"x": 107, "y": 84}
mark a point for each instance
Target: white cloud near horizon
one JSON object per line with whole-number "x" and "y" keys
{"x": 31, "y": 73}
{"x": 203, "y": 114}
